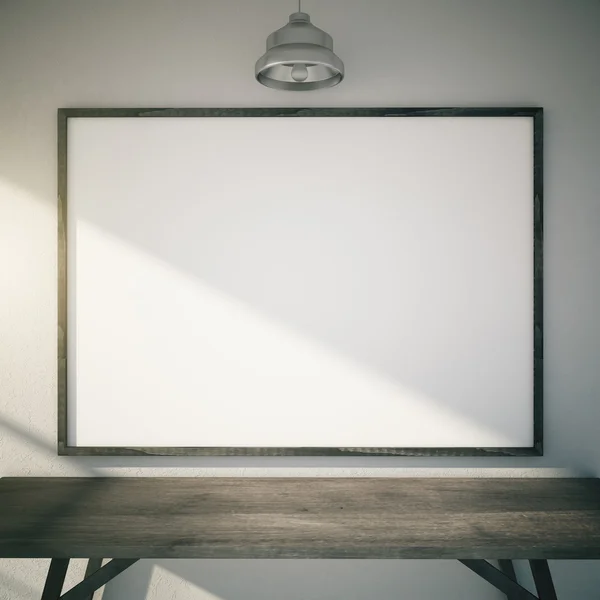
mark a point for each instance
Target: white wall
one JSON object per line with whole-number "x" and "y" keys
{"x": 194, "y": 53}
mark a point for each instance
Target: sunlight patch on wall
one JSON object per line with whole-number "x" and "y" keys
{"x": 162, "y": 359}
{"x": 165, "y": 582}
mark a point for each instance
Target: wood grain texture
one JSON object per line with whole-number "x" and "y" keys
{"x": 300, "y": 518}
{"x": 535, "y": 113}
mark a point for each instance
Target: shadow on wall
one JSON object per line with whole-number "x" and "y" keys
{"x": 301, "y": 579}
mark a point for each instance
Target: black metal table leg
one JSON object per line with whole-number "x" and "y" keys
{"x": 97, "y": 579}
{"x": 543, "y": 579}
{"x": 93, "y": 565}
{"x": 499, "y": 580}
{"x": 55, "y": 578}
{"x": 507, "y": 567}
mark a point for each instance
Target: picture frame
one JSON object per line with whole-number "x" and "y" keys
{"x": 66, "y": 371}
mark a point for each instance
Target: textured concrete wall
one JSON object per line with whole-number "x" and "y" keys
{"x": 194, "y": 53}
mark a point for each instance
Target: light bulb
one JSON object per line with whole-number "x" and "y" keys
{"x": 299, "y": 72}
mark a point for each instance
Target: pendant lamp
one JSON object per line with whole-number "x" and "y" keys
{"x": 299, "y": 57}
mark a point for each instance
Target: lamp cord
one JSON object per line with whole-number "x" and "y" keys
{"x": 299, "y": 5}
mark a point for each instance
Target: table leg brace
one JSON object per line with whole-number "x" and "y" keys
{"x": 96, "y": 577}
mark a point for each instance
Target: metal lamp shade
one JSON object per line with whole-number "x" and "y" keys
{"x": 299, "y": 57}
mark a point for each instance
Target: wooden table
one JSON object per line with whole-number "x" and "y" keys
{"x": 472, "y": 520}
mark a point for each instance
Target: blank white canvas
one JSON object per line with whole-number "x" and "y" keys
{"x": 325, "y": 282}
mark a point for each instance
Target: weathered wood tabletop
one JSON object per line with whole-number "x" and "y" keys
{"x": 300, "y": 518}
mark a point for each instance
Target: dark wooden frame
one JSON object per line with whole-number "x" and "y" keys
{"x": 535, "y": 113}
